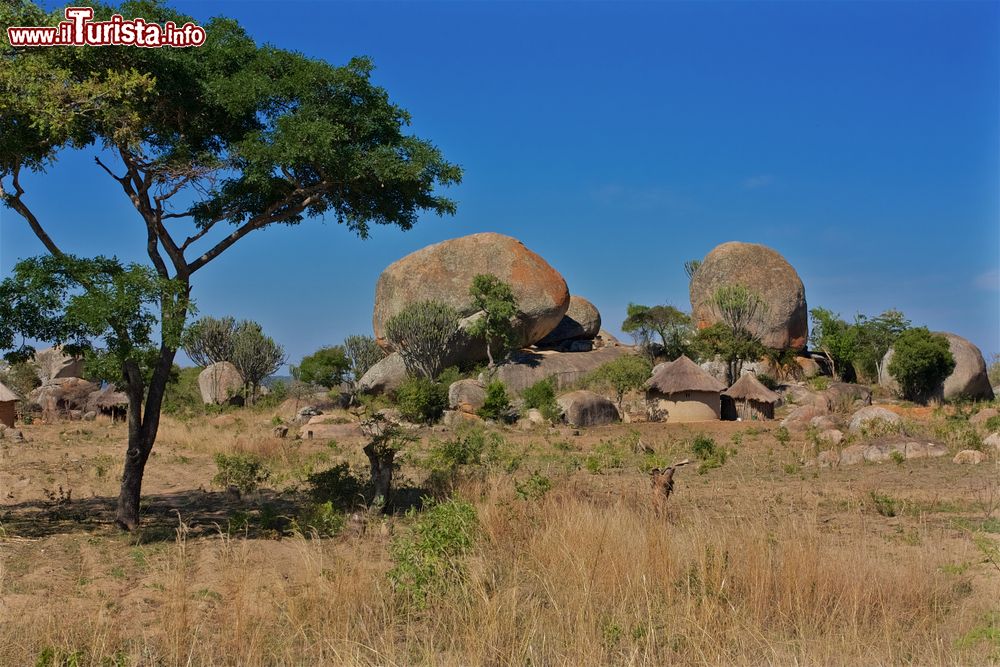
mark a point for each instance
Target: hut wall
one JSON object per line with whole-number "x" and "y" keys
{"x": 7, "y": 413}
{"x": 754, "y": 410}
{"x": 687, "y": 406}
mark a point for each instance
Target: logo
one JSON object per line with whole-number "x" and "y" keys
{"x": 79, "y": 29}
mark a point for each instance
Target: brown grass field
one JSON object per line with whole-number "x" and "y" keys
{"x": 759, "y": 561}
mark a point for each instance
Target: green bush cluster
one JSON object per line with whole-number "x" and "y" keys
{"x": 497, "y": 406}
{"x": 711, "y": 454}
{"x": 337, "y": 485}
{"x": 421, "y": 400}
{"x": 541, "y": 396}
{"x": 921, "y": 361}
{"x": 428, "y": 558}
{"x": 245, "y": 472}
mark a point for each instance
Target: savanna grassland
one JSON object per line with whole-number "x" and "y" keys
{"x": 538, "y": 548}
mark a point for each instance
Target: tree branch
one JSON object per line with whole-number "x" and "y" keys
{"x": 18, "y": 205}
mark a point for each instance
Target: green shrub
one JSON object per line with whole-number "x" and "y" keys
{"x": 182, "y": 395}
{"x": 428, "y": 558}
{"x": 624, "y": 374}
{"x": 541, "y": 396}
{"x": 534, "y": 487}
{"x": 884, "y": 504}
{"x": 421, "y": 400}
{"x": 782, "y": 435}
{"x": 993, "y": 424}
{"x": 767, "y": 381}
{"x": 497, "y": 406}
{"x": 321, "y": 518}
{"x": 466, "y": 447}
{"x": 245, "y": 472}
{"x": 819, "y": 383}
{"x": 338, "y": 486}
{"x": 711, "y": 455}
{"x": 921, "y": 361}
{"x": 608, "y": 454}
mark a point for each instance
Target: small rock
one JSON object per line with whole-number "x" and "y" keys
{"x": 15, "y": 435}
{"x": 832, "y": 435}
{"x": 828, "y": 459}
{"x": 280, "y": 431}
{"x": 310, "y": 411}
{"x": 983, "y": 416}
{"x": 852, "y": 455}
{"x": 823, "y": 423}
{"x": 867, "y": 417}
{"x": 993, "y": 440}
{"x": 455, "y": 417}
{"x": 969, "y": 457}
{"x": 89, "y": 416}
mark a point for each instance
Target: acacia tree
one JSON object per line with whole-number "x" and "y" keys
{"x": 494, "y": 300}
{"x": 671, "y": 325}
{"x": 325, "y": 367}
{"x": 208, "y": 144}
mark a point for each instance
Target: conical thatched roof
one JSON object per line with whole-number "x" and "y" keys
{"x": 749, "y": 388}
{"x": 7, "y": 395}
{"x": 109, "y": 397}
{"x": 680, "y": 375}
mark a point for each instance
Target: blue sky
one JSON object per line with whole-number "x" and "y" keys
{"x": 618, "y": 140}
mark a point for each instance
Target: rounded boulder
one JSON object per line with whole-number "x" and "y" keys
{"x": 969, "y": 379}
{"x": 444, "y": 271}
{"x": 785, "y": 323}
{"x": 582, "y": 321}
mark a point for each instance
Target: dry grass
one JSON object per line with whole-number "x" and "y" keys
{"x": 751, "y": 565}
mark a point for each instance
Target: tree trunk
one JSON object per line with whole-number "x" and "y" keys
{"x": 489, "y": 355}
{"x": 143, "y": 425}
{"x": 382, "y": 464}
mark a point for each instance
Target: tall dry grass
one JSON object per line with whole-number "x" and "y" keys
{"x": 564, "y": 580}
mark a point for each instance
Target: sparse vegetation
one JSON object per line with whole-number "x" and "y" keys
{"x": 422, "y": 400}
{"x": 497, "y": 406}
{"x": 541, "y": 396}
{"x": 624, "y": 374}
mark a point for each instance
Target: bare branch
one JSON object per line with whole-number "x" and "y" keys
{"x": 18, "y": 205}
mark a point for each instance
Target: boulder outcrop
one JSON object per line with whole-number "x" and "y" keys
{"x": 586, "y": 408}
{"x": 968, "y": 380}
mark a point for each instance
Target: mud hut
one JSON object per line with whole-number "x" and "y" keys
{"x": 109, "y": 402}
{"x": 681, "y": 391}
{"x": 8, "y": 408}
{"x": 748, "y": 400}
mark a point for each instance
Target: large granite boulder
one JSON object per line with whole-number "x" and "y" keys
{"x": 219, "y": 382}
{"x": 582, "y": 321}
{"x": 968, "y": 380}
{"x": 444, "y": 272}
{"x": 586, "y": 408}
{"x": 53, "y": 364}
{"x": 386, "y": 376}
{"x": 565, "y": 368}
{"x": 466, "y": 396}
{"x": 763, "y": 270}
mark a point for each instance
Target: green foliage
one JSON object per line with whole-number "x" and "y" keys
{"x": 767, "y": 381}
{"x": 836, "y": 339}
{"x": 326, "y": 367}
{"x": 898, "y": 457}
{"x": 362, "y": 353}
{"x": 424, "y": 333}
{"x": 497, "y": 405}
{"x": 323, "y": 519}
{"x": 672, "y": 326}
{"x": 921, "y": 361}
{"x": 429, "y": 557}
{"x": 245, "y": 472}
{"x": 608, "y": 454}
{"x": 77, "y": 302}
{"x": 875, "y": 335}
{"x": 993, "y": 424}
{"x": 183, "y": 396}
{"x": 711, "y": 454}
{"x": 691, "y": 267}
{"x": 534, "y": 487}
{"x": 21, "y": 377}
{"x": 494, "y": 299}
{"x": 255, "y": 356}
{"x": 782, "y": 435}
{"x": 734, "y": 348}
{"x": 209, "y": 340}
{"x": 337, "y": 485}
{"x": 422, "y": 400}
{"x": 819, "y": 383}
{"x": 993, "y": 370}
{"x": 541, "y": 396}
{"x": 626, "y": 373}
{"x": 884, "y": 504}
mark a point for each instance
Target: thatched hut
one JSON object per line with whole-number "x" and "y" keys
{"x": 748, "y": 400}
{"x": 8, "y": 407}
{"x": 681, "y": 391}
{"x": 109, "y": 402}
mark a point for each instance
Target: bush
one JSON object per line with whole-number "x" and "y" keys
{"x": 429, "y": 558}
{"x": 541, "y": 396}
{"x": 182, "y": 395}
{"x": 326, "y": 367}
{"x": 424, "y": 333}
{"x": 768, "y": 381}
{"x": 322, "y": 518}
{"x": 245, "y": 472}
{"x": 711, "y": 455}
{"x": 338, "y": 486}
{"x": 620, "y": 376}
{"x": 921, "y": 361}
{"x": 497, "y": 405}
{"x": 422, "y": 400}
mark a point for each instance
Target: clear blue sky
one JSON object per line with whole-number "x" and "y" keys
{"x": 617, "y": 140}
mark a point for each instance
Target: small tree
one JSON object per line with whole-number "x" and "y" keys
{"x": 21, "y": 377}
{"x": 326, "y": 367}
{"x": 495, "y": 300}
{"x": 734, "y": 338}
{"x": 837, "y": 340}
{"x": 209, "y": 340}
{"x": 385, "y": 440}
{"x": 424, "y": 333}
{"x": 255, "y": 356}
{"x": 638, "y": 325}
{"x": 497, "y": 404}
{"x": 719, "y": 341}
{"x": 875, "y": 335}
{"x": 621, "y": 376}
{"x": 921, "y": 362}
{"x": 362, "y": 353}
